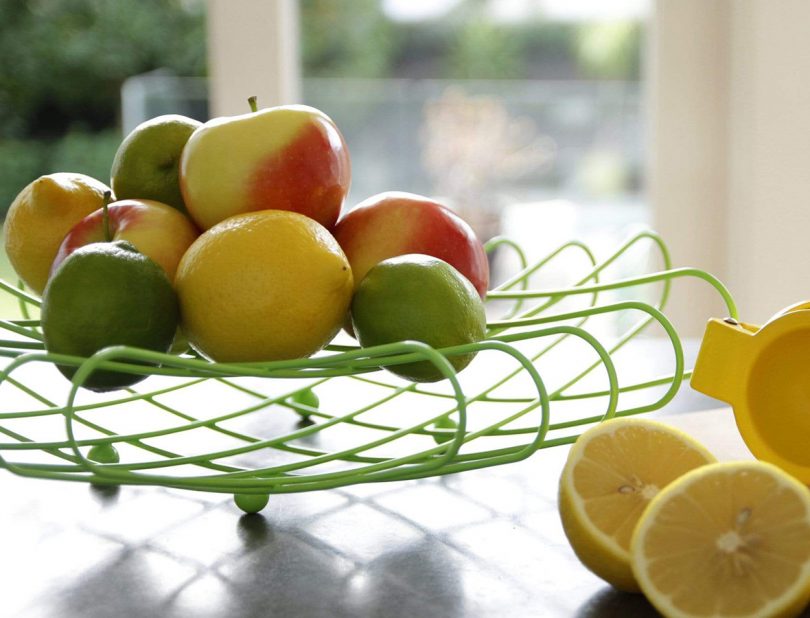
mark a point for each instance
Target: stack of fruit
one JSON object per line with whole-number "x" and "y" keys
{"x": 228, "y": 235}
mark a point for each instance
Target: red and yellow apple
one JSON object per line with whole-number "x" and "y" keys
{"x": 395, "y": 223}
{"x": 283, "y": 158}
{"x": 157, "y": 230}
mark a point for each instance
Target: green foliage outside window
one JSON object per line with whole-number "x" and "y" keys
{"x": 347, "y": 39}
{"x": 62, "y": 63}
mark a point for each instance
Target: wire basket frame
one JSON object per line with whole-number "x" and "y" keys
{"x": 335, "y": 419}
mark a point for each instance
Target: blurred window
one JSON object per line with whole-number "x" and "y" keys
{"x": 512, "y": 111}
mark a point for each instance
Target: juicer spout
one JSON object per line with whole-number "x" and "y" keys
{"x": 723, "y": 359}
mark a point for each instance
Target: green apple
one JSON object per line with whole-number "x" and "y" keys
{"x": 146, "y": 165}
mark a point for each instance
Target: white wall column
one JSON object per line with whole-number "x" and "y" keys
{"x": 730, "y": 149}
{"x": 688, "y": 104}
{"x": 768, "y": 253}
{"x": 252, "y": 50}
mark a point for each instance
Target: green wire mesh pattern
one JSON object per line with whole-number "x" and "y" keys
{"x": 544, "y": 374}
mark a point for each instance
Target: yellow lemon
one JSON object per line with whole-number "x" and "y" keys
{"x": 729, "y": 539}
{"x": 41, "y": 215}
{"x": 613, "y": 471}
{"x": 261, "y": 286}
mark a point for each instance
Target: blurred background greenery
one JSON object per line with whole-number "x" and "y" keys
{"x": 63, "y": 62}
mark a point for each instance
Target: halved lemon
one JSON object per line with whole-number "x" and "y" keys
{"x": 729, "y": 539}
{"x": 613, "y": 471}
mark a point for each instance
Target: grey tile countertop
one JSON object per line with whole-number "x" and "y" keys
{"x": 480, "y": 543}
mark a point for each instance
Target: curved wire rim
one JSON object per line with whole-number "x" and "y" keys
{"x": 451, "y": 451}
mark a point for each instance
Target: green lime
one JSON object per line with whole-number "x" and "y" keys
{"x": 147, "y": 163}
{"x": 107, "y": 294}
{"x": 422, "y": 298}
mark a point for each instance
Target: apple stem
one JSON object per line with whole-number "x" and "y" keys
{"x": 253, "y": 102}
{"x": 105, "y": 216}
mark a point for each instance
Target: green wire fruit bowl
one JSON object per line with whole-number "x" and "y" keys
{"x": 553, "y": 363}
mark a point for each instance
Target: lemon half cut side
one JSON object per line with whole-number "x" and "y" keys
{"x": 729, "y": 539}
{"x": 612, "y": 472}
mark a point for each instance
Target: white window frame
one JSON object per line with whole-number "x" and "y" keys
{"x": 253, "y": 49}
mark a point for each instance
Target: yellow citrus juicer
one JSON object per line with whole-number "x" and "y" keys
{"x": 764, "y": 373}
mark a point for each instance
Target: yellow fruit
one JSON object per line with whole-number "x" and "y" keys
{"x": 261, "y": 286}
{"x": 729, "y": 539}
{"x": 612, "y": 472}
{"x": 41, "y": 215}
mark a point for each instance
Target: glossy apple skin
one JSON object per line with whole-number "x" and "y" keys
{"x": 283, "y": 158}
{"x": 157, "y": 230}
{"x": 394, "y": 223}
